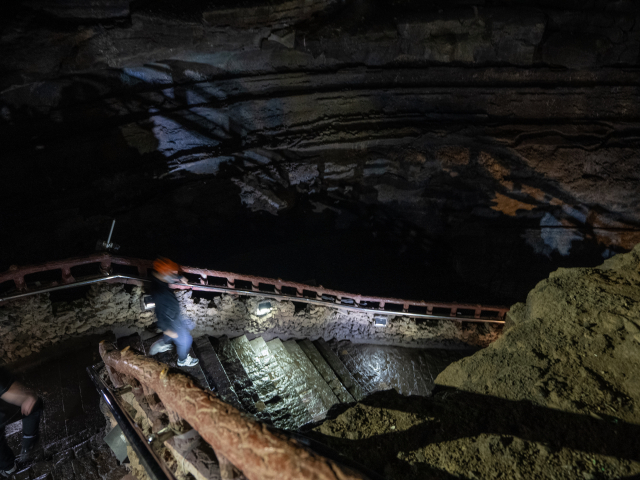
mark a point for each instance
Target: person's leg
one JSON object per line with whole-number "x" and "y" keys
{"x": 7, "y": 458}
{"x": 162, "y": 345}
{"x": 183, "y": 341}
{"x": 30, "y": 426}
{"x": 8, "y": 414}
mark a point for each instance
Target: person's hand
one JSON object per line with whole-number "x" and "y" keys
{"x": 171, "y": 334}
{"x": 184, "y": 280}
{"x": 28, "y": 403}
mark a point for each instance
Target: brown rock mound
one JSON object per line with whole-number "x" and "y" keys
{"x": 574, "y": 345}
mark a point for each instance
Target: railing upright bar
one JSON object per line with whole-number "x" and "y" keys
{"x": 149, "y": 460}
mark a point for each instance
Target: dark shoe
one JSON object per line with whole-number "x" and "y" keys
{"x": 8, "y": 473}
{"x": 28, "y": 444}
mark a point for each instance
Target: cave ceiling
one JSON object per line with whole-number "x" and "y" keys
{"x": 456, "y": 150}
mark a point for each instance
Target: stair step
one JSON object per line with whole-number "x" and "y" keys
{"x": 262, "y": 377}
{"x": 214, "y": 371}
{"x": 171, "y": 359}
{"x": 307, "y": 402}
{"x": 134, "y": 341}
{"x": 240, "y": 381}
{"x": 325, "y": 370}
{"x": 341, "y": 370}
{"x": 362, "y": 369}
{"x": 322, "y": 391}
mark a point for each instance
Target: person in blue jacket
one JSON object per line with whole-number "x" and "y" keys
{"x": 17, "y": 402}
{"x": 167, "y": 308}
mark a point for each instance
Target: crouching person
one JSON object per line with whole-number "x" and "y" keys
{"x": 17, "y": 402}
{"x": 170, "y": 320}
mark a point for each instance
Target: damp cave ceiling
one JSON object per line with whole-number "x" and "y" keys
{"x": 459, "y": 149}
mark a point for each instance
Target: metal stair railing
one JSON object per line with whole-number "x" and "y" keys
{"x": 259, "y": 452}
{"x": 154, "y": 467}
{"x": 233, "y": 283}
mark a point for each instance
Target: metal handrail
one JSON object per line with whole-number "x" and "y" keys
{"x": 155, "y": 468}
{"x": 237, "y": 291}
{"x": 342, "y": 300}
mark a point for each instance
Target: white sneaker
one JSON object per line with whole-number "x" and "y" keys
{"x": 8, "y": 473}
{"x": 188, "y": 362}
{"x": 160, "y": 346}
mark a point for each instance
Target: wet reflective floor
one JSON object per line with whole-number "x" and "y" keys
{"x": 296, "y": 382}
{"x": 409, "y": 371}
{"x": 72, "y": 427}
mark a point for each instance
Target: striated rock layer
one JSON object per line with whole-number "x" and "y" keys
{"x": 414, "y": 149}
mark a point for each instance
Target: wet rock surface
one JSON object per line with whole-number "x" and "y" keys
{"x": 408, "y": 371}
{"x": 555, "y": 397}
{"x": 394, "y": 147}
{"x": 34, "y": 323}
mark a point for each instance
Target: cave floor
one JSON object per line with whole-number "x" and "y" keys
{"x": 260, "y": 377}
{"x": 72, "y": 427}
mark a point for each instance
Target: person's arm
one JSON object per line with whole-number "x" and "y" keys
{"x": 19, "y": 395}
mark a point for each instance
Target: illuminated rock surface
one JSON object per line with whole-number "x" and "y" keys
{"x": 430, "y": 150}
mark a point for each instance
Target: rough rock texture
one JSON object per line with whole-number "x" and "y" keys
{"x": 233, "y": 315}
{"x": 30, "y": 324}
{"x": 574, "y": 346}
{"x": 557, "y": 396}
{"x": 424, "y": 149}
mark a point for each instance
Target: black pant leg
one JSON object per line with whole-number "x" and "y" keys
{"x": 31, "y": 422}
{"x": 8, "y": 414}
{"x": 7, "y": 457}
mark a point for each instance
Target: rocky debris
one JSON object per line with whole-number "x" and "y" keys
{"x": 463, "y": 435}
{"x": 573, "y": 346}
{"x": 555, "y": 397}
{"x": 194, "y": 456}
{"x": 30, "y": 324}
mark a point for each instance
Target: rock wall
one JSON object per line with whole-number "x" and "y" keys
{"x": 28, "y": 325}
{"x": 233, "y": 315}
{"x": 431, "y": 150}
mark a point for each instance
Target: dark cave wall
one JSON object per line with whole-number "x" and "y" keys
{"x": 452, "y": 151}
